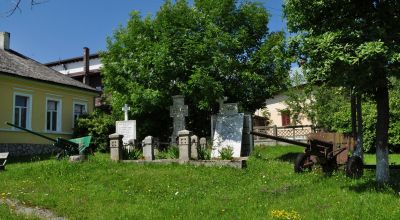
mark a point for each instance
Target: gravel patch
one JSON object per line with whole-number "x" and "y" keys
{"x": 22, "y": 209}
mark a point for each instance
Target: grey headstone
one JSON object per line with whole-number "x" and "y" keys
{"x": 116, "y": 146}
{"x": 148, "y": 148}
{"x": 203, "y": 143}
{"x": 184, "y": 145}
{"x": 194, "y": 143}
{"x": 127, "y": 129}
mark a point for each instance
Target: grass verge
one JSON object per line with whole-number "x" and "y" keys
{"x": 267, "y": 189}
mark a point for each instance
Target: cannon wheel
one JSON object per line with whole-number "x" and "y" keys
{"x": 301, "y": 160}
{"x": 354, "y": 167}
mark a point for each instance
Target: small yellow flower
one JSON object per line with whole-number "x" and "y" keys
{"x": 283, "y": 214}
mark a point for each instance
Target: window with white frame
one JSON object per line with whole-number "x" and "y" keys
{"x": 80, "y": 108}
{"x": 22, "y": 110}
{"x": 53, "y": 115}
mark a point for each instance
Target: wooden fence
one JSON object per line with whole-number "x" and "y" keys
{"x": 298, "y": 133}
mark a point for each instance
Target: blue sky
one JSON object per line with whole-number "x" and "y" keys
{"x": 59, "y": 29}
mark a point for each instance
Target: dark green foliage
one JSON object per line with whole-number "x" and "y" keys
{"x": 346, "y": 43}
{"x": 351, "y": 44}
{"x": 97, "y": 124}
{"x": 204, "y": 153}
{"x": 171, "y": 152}
{"x": 215, "y": 48}
{"x": 329, "y": 108}
{"x": 134, "y": 154}
{"x": 394, "y": 126}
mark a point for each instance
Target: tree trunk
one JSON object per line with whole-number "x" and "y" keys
{"x": 382, "y": 127}
{"x": 353, "y": 114}
{"x": 359, "y": 150}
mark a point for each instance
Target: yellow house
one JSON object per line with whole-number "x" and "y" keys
{"x": 38, "y": 98}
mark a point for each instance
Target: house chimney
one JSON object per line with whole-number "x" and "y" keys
{"x": 4, "y": 40}
{"x": 86, "y": 65}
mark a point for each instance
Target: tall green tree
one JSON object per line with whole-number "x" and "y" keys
{"x": 211, "y": 49}
{"x": 351, "y": 43}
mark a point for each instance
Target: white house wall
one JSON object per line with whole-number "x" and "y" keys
{"x": 274, "y": 106}
{"x": 76, "y": 67}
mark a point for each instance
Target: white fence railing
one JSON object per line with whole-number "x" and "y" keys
{"x": 298, "y": 133}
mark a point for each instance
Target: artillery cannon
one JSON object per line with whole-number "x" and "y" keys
{"x": 330, "y": 150}
{"x": 68, "y": 147}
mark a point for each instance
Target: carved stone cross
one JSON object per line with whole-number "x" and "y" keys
{"x": 126, "y": 108}
{"x": 178, "y": 111}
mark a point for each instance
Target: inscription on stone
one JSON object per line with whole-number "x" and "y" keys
{"x": 183, "y": 140}
{"x": 114, "y": 143}
{"x": 128, "y": 129}
{"x": 228, "y": 133}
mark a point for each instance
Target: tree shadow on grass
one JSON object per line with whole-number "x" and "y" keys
{"x": 371, "y": 184}
{"x": 288, "y": 157}
{"x": 26, "y": 159}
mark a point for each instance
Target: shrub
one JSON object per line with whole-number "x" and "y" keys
{"x": 204, "y": 153}
{"x": 134, "y": 154}
{"x": 97, "y": 124}
{"x": 171, "y": 153}
{"x": 226, "y": 153}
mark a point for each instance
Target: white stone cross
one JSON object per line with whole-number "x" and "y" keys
{"x": 126, "y": 108}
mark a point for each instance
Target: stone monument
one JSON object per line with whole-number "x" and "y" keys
{"x": 203, "y": 143}
{"x": 231, "y": 128}
{"x": 228, "y": 130}
{"x": 148, "y": 148}
{"x": 178, "y": 111}
{"x": 194, "y": 145}
{"x": 115, "y": 147}
{"x": 127, "y": 128}
{"x": 184, "y": 145}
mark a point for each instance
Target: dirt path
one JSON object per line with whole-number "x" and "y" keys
{"x": 38, "y": 212}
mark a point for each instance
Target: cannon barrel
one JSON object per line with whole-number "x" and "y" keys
{"x": 62, "y": 143}
{"x": 298, "y": 143}
{"x": 32, "y": 132}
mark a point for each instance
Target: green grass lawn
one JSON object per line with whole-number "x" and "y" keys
{"x": 267, "y": 189}
{"x": 371, "y": 159}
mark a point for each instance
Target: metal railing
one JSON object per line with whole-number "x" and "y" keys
{"x": 298, "y": 133}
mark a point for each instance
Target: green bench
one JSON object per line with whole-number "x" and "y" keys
{"x": 3, "y": 160}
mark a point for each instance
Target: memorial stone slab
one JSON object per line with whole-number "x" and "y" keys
{"x": 228, "y": 130}
{"x": 203, "y": 143}
{"x": 194, "y": 144}
{"x": 148, "y": 148}
{"x": 127, "y": 129}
